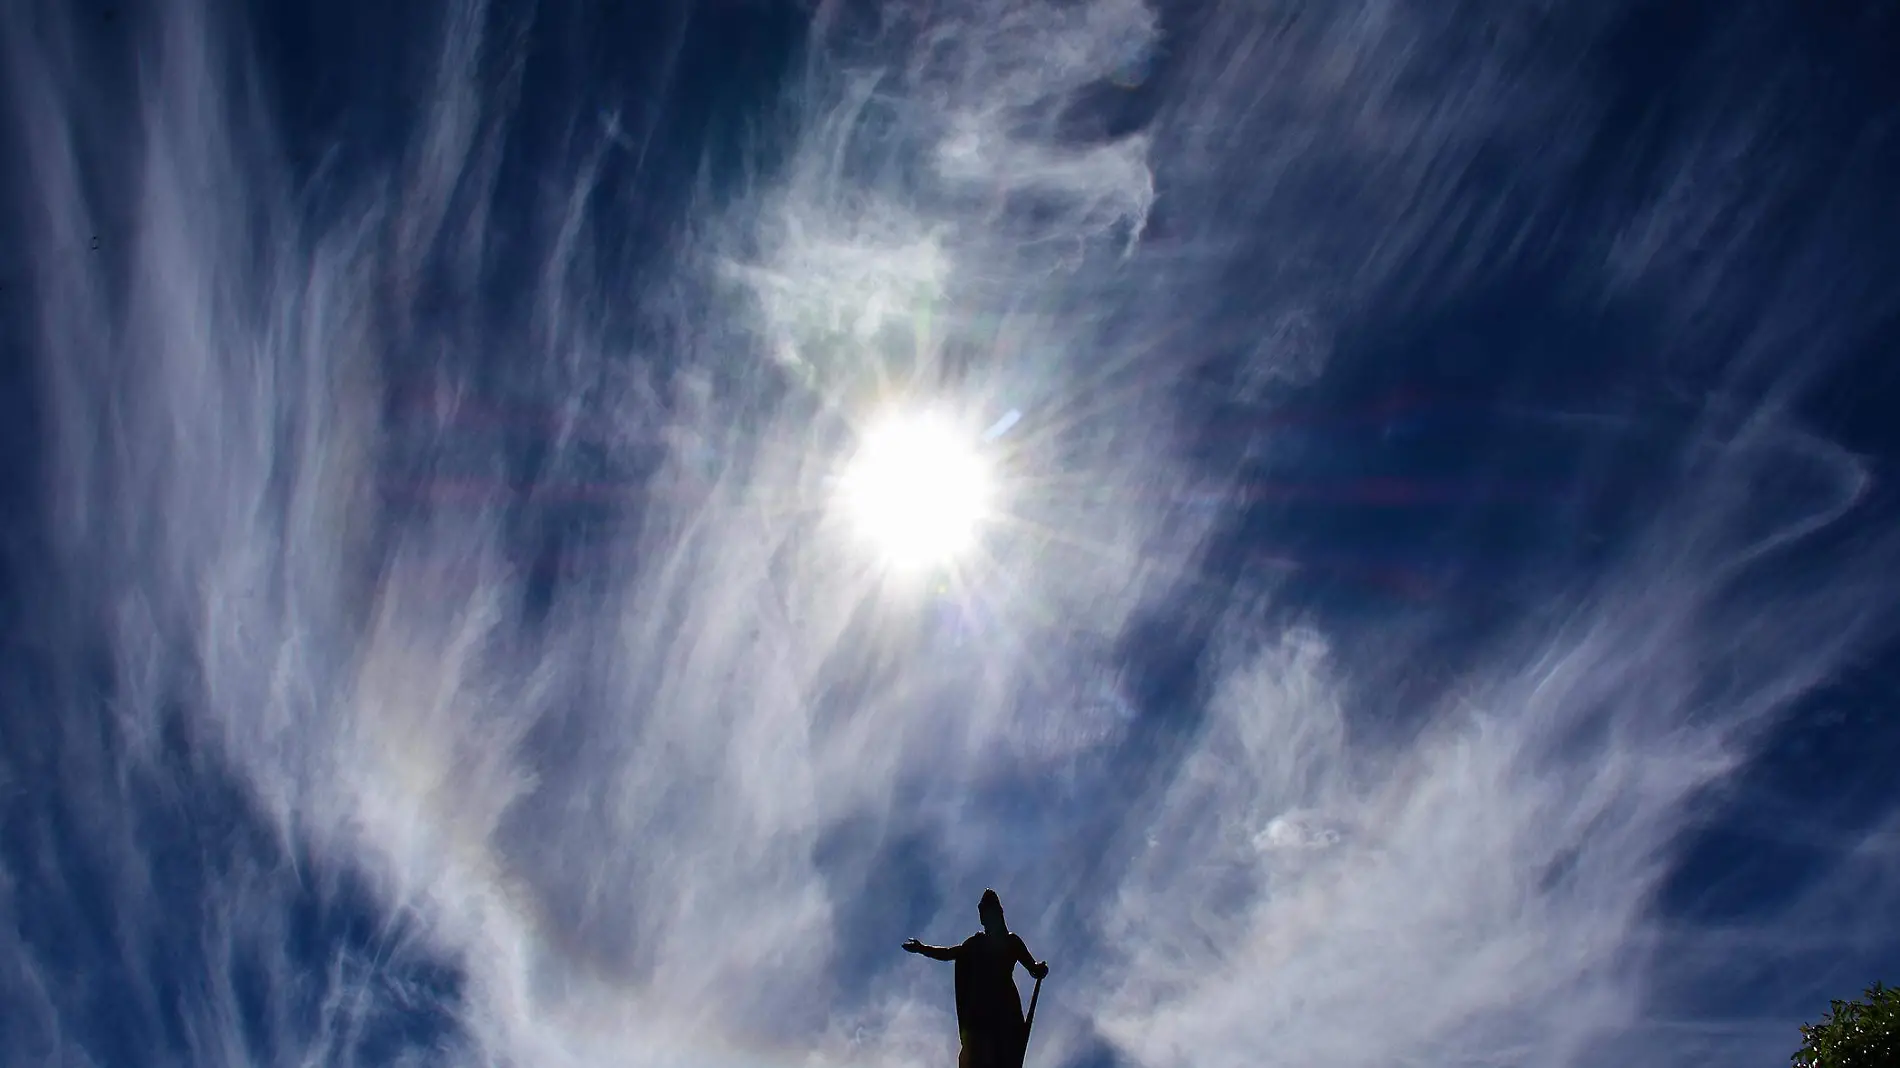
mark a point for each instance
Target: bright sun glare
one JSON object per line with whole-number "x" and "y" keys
{"x": 917, "y": 490}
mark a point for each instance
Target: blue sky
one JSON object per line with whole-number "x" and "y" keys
{"x": 1433, "y": 603}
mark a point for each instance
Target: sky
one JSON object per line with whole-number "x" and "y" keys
{"x": 1404, "y": 576}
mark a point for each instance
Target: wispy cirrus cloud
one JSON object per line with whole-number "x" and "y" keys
{"x": 679, "y": 804}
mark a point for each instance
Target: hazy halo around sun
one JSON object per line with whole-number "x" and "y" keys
{"x": 917, "y": 489}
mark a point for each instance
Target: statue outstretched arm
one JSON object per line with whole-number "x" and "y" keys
{"x": 933, "y": 952}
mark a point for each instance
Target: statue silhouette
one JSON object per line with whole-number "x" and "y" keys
{"x": 989, "y": 1007}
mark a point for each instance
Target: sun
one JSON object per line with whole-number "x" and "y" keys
{"x": 917, "y": 490}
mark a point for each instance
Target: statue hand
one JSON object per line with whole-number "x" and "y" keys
{"x": 913, "y": 946}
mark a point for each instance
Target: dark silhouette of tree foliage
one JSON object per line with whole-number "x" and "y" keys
{"x": 1855, "y": 1034}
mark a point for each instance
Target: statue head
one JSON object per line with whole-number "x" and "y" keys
{"x": 990, "y": 910}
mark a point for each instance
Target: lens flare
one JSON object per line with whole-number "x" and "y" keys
{"x": 917, "y": 490}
